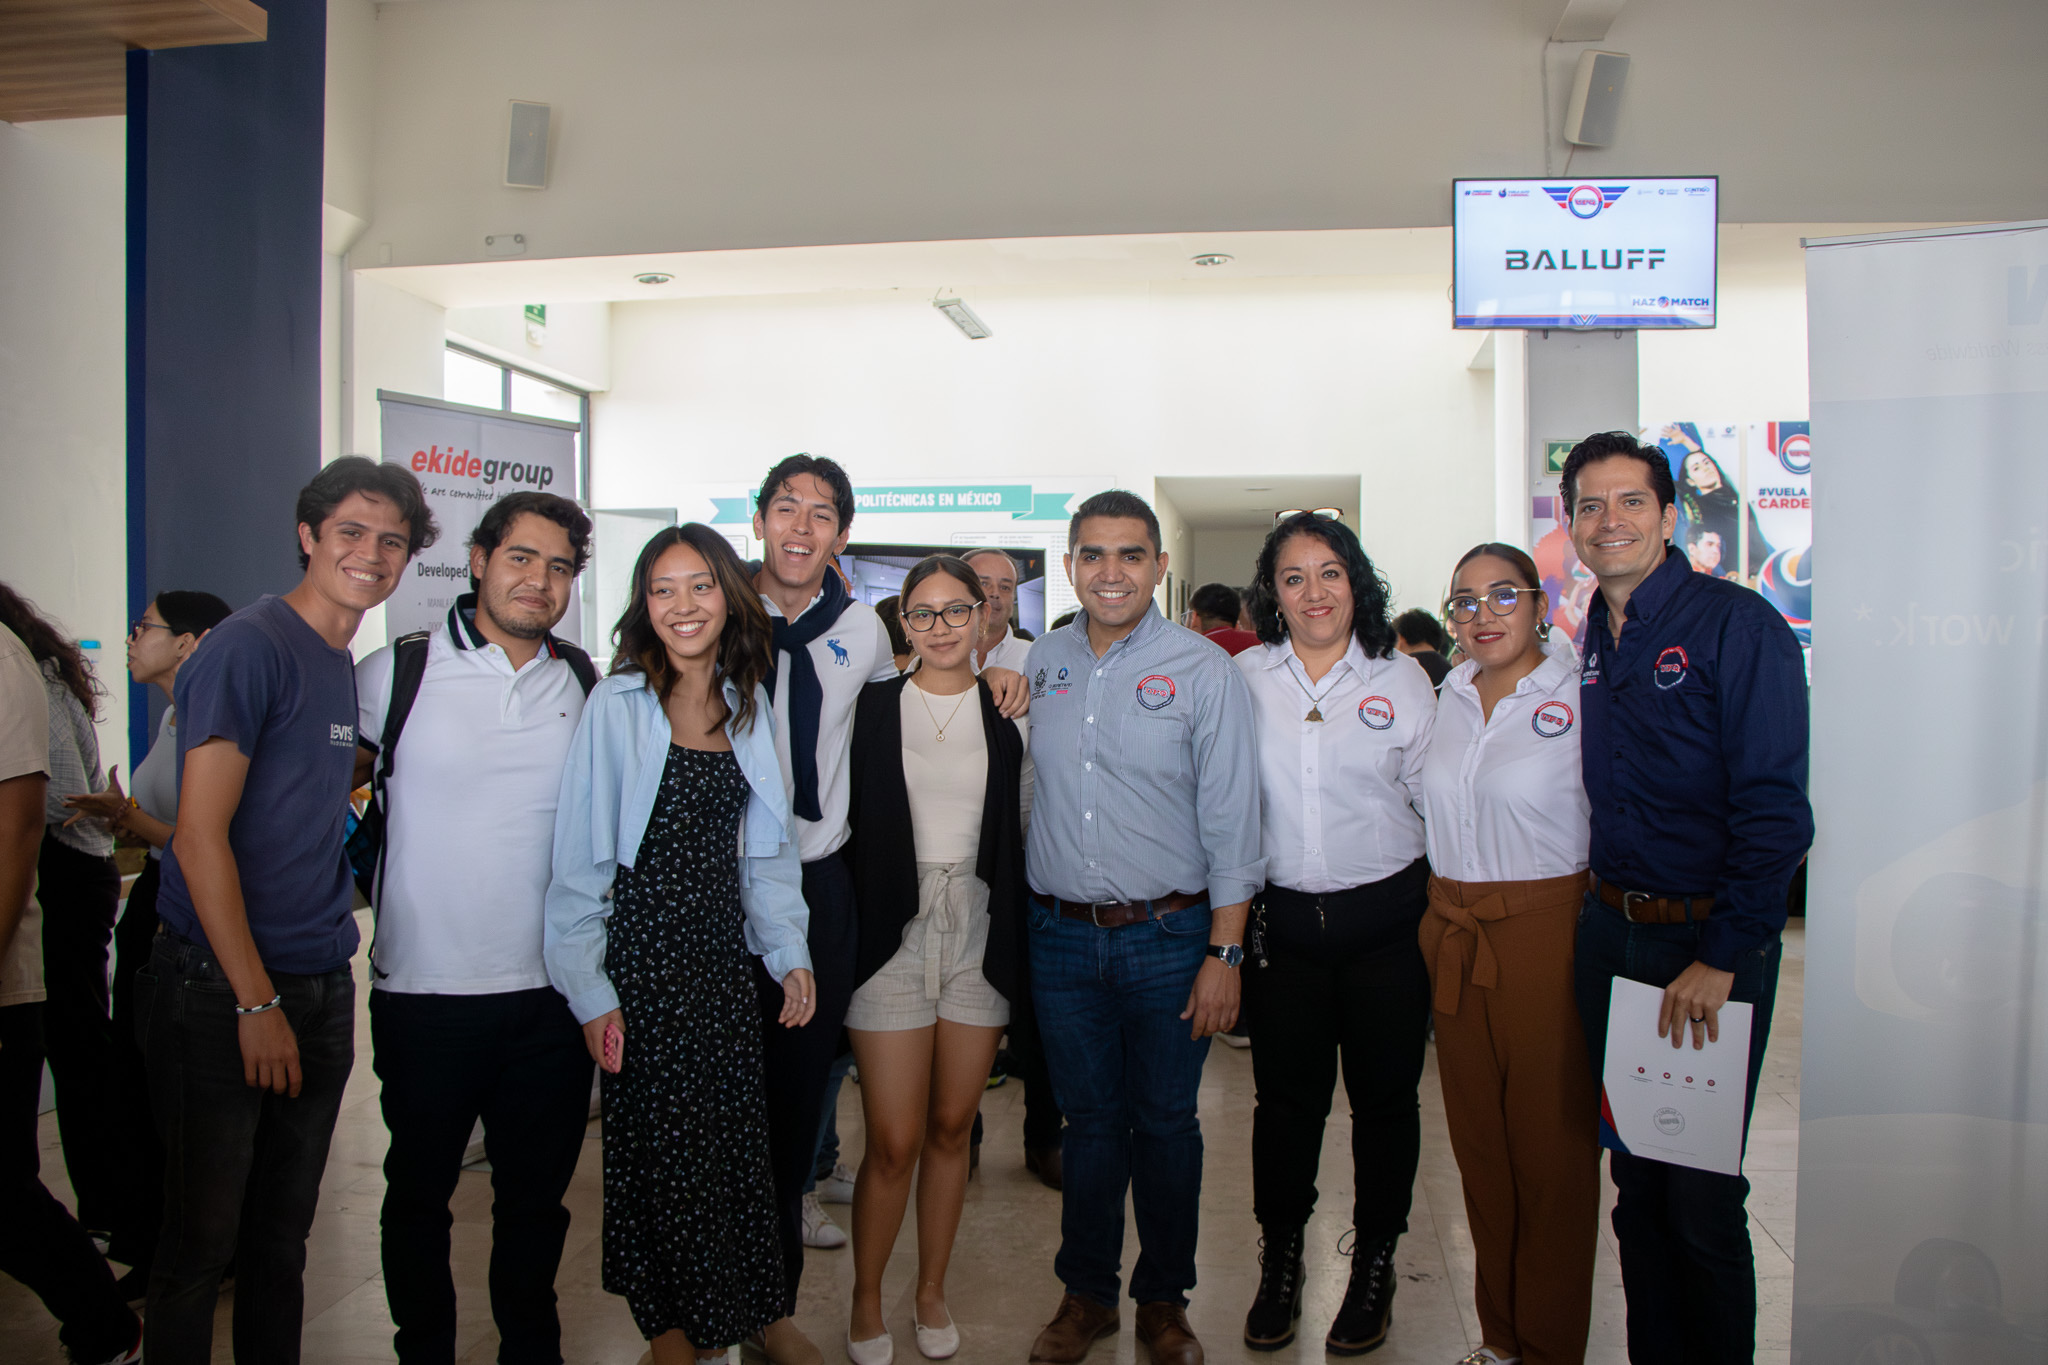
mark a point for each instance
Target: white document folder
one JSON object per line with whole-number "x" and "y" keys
{"x": 1673, "y": 1104}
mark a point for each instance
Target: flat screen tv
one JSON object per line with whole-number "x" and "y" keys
{"x": 1609, "y": 251}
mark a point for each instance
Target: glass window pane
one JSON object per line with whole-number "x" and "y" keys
{"x": 465, "y": 379}
{"x": 538, "y": 398}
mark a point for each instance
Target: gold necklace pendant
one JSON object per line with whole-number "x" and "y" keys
{"x": 1315, "y": 713}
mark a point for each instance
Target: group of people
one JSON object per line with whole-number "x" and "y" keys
{"x": 764, "y": 830}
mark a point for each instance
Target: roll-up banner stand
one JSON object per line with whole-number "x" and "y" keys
{"x": 466, "y": 459}
{"x": 1923, "y": 1135}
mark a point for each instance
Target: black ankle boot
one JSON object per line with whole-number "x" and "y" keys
{"x": 1270, "y": 1324}
{"x": 1368, "y": 1309}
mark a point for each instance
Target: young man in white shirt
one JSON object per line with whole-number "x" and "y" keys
{"x": 462, "y": 1019}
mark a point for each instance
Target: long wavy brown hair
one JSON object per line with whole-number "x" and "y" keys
{"x": 46, "y": 641}
{"x": 743, "y": 641}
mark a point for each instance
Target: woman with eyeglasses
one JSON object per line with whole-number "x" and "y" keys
{"x": 941, "y": 789}
{"x": 158, "y": 645}
{"x": 1508, "y": 832}
{"x": 1334, "y": 977}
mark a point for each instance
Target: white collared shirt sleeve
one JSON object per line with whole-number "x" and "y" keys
{"x": 1505, "y": 798}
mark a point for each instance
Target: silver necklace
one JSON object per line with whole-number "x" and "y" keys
{"x": 1315, "y": 701}
{"x": 938, "y": 729}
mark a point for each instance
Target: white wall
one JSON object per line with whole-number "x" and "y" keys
{"x": 1228, "y": 557}
{"x": 683, "y": 124}
{"x": 1752, "y": 366}
{"x": 1338, "y": 376}
{"x": 63, "y": 386}
{"x": 577, "y": 347}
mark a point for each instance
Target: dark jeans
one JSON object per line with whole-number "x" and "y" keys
{"x": 242, "y": 1165}
{"x": 517, "y": 1061}
{"x": 1686, "y": 1265}
{"x": 797, "y": 1061}
{"x": 79, "y": 894}
{"x": 1344, "y": 981}
{"x": 41, "y": 1245}
{"x": 141, "y": 1151}
{"x": 1042, "y": 1117}
{"x": 1109, "y": 1003}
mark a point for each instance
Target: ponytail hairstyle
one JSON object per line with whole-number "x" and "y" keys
{"x": 744, "y": 641}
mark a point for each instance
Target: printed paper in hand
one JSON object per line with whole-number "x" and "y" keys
{"x": 1673, "y": 1104}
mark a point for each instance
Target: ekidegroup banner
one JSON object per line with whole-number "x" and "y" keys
{"x": 1923, "y": 1134}
{"x": 466, "y": 459}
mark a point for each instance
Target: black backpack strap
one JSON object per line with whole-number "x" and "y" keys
{"x": 579, "y": 664}
{"x": 408, "y": 667}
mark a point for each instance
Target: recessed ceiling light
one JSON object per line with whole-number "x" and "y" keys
{"x": 653, "y": 277}
{"x": 1213, "y": 258}
{"x": 1262, "y": 488}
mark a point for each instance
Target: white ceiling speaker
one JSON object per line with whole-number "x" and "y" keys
{"x": 1593, "y": 114}
{"x": 526, "y": 146}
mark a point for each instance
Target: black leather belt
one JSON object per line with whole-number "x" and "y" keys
{"x": 1116, "y": 914}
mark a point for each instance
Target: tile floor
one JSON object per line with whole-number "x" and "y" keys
{"x": 1001, "y": 1286}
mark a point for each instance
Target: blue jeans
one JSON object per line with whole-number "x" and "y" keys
{"x": 1686, "y": 1265}
{"x": 242, "y": 1165}
{"x": 1125, "y": 1071}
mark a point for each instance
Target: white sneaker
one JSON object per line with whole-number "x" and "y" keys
{"x": 1486, "y": 1355}
{"x": 819, "y": 1229}
{"x": 836, "y": 1188}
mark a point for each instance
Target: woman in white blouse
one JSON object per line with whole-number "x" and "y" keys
{"x": 1507, "y": 819}
{"x": 1335, "y": 974}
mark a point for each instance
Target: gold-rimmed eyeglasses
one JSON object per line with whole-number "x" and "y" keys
{"x": 1465, "y": 607}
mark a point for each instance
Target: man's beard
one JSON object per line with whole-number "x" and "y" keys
{"x": 531, "y": 628}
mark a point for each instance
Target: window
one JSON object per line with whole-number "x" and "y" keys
{"x": 481, "y": 382}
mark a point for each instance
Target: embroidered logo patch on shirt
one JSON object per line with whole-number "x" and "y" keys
{"x": 1376, "y": 712}
{"x": 839, "y": 654}
{"x": 1155, "y": 692}
{"x": 1552, "y": 719}
{"x": 1672, "y": 666}
{"x": 342, "y": 736}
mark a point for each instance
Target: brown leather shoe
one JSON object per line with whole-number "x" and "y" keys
{"x": 1164, "y": 1331}
{"x": 1044, "y": 1162}
{"x": 1078, "y": 1325}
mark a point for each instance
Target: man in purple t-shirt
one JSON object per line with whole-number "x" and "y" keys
{"x": 247, "y": 1004}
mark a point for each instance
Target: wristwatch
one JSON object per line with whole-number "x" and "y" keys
{"x": 1229, "y": 954}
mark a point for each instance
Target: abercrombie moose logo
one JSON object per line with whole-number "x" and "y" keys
{"x": 839, "y": 655}
{"x": 1671, "y": 668}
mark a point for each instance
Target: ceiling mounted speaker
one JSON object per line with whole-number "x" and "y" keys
{"x": 526, "y": 146}
{"x": 1594, "y": 112}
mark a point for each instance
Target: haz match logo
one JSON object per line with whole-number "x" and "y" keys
{"x": 1585, "y": 201}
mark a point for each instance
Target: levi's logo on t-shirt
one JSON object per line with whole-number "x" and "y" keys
{"x": 342, "y": 735}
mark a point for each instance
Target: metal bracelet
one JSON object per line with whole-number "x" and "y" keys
{"x": 271, "y": 1004}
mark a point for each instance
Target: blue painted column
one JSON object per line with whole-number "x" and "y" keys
{"x": 225, "y": 148}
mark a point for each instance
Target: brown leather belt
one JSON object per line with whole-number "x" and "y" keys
{"x": 1640, "y": 907}
{"x": 1116, "y": 914}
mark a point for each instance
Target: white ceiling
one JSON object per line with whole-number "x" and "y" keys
{"x": 1248, "y": 504}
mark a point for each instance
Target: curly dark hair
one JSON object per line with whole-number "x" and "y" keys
{"x": 744, "y": 640}
{"x": 1368, "y": 588}
{"x": 490, "y": 532}
{"x": 359, "y": 474}
{"x": 46, "y": 641}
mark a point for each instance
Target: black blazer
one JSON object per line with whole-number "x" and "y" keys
{"x": 883, "y": 853}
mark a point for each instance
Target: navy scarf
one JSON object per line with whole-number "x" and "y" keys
{"x": 806, "y": 694}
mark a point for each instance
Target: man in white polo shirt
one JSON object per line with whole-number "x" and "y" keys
{"x": 998, "y": 646}
{"x": 462, "y": 1019}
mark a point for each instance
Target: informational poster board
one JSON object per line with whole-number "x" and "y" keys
{"x": 466, "y": 459}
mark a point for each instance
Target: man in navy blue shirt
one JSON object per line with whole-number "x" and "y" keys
{"x": 1694, "y": 702}
{"x": 247, "y": 1005}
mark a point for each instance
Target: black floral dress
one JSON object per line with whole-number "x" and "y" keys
{"x": 689, "y": 1200}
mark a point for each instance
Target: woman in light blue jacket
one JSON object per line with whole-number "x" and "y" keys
{"x": 675, "y": 858}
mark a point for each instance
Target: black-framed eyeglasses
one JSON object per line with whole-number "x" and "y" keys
{"x": 921, "y": 619}
{"x": 136, "y": 628}
{"x": 1326, "y": 513}
{"x": 1465, "y": 607}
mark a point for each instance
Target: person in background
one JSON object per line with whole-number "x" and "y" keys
{"x": 1506, "y": 813}
{"x": 41, "y": 1244}
{"x": 1421, "y": 637}
{"x": 889, "y": 609}
{"x": 1343, "y": 720}
{"x": 171, "y": 627}
{"x": 1693, "y": 698}
{"x": 941, "y": 791}
{"x": 1213, "y": 613}
{"x": 675, "y": 858}
{"x": 80, "y": 893}
{"x": 1142, "y": 856}
{"x": 1704, "y": 551}
{"x": 999, "y": 644}
{"x": 247, "y": 1004}
{"x": 463, "y": 1022}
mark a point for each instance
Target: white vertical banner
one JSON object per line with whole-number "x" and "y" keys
{"x": 1923, "y": 1160}
{"x": 466, "y": 459}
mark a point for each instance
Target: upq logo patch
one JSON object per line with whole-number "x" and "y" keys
{"x": 1376, "y": 712}
{"x": 1155, "y": 692}
{"x": 1671, "y": 668}
{"x": 1552, "y": 719}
